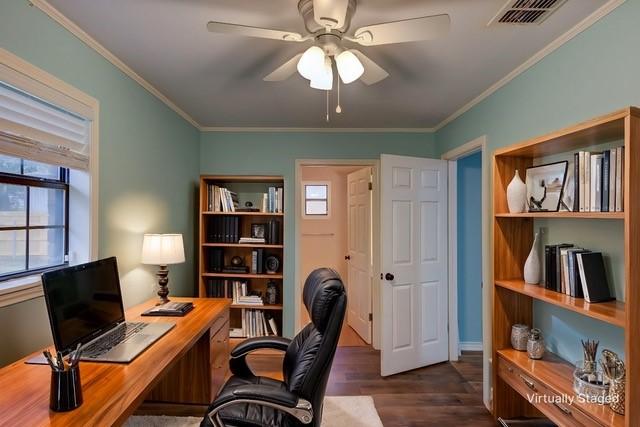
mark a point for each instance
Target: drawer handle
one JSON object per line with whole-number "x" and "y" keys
{"x": 528, "y": 382}
{"x": 564, "y": 409}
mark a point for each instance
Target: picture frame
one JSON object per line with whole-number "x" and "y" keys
{"x": 258, "y": 231}
{"x": 545, "y": 186}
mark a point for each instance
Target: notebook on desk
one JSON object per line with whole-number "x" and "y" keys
{"x": 170, "y": 309}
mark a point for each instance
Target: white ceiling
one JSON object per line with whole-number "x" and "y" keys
{"x": 217, "y": 79}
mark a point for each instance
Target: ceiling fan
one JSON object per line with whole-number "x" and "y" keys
{"x": 327, "y": 23}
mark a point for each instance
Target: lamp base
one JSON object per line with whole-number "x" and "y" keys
{"x": 163, "y": 280}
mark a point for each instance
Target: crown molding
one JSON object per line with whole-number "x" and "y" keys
{"x": 314, "y": 130}
{"x": 600, "y": 13}
{"x": 74, "y": 29}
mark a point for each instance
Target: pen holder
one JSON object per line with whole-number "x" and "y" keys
{"x": 66, "y": 390}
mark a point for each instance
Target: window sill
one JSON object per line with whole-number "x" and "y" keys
{"x": 15, "y": 291}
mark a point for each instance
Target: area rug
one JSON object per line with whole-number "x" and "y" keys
{"x": 339, "y": 411}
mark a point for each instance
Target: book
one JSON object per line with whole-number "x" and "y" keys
{"x": 612, "y": 179}
{"x": 620, "y": 179}
{"x": 577, "y": 182}
{"x": 273, "y": 326}
{"x": 564, "y": 266}
{"x": 593, "y": 276}
{"x": 581, "y": 195}
{"x": 595, "y": 172}
{"x": 587, "y": 181}
{"x": 604, "y": 182}
{"x": 575, "y": 286}
{"x": 558, "y": 265}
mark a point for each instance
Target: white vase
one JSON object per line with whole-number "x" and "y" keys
{"x": 532, "y": 271}
{"x": 517, "y": 194}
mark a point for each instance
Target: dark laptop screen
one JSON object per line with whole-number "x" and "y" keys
{"x": 83, "y": 302}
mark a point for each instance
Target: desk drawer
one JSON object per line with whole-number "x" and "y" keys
{"x": 218, "y": 323}
{"x": 219, "y": 347}
{"x": 543, "y": 398}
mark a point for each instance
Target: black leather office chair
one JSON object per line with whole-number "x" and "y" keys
{"x": 250, "y": 401}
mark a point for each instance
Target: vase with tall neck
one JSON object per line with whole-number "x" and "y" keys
{"x": 532, "y": 265}
{"x": 517, "y": 194}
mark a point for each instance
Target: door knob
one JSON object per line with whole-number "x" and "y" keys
{"x": 348, "y": 257}
{"x": 389, "y": 277}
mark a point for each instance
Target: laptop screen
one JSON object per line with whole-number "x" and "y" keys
{"x": 83, "y": 302}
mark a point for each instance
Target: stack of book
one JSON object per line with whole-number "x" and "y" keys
{"x": 250, "y": 300}
{"x": 220, "y": 199}
{"x": 215, "y": 288}
{"x": 224, "y": 229}
{"x": 599, "y": 182}
{"x": 239, "y": 291}
{"x": 251, "y": 240}
{"x": 576, "y": 272}
{"x": 256, "y": 324}
{"x": 273, "y": 200}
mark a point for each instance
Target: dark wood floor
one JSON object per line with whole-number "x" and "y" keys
{"x": 447, "y": 394}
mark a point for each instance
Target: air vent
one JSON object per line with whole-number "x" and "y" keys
{"x": 526, "y": 12}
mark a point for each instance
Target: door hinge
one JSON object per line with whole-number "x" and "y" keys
{"x": 370, "y": 317}
{"x": 370, "y": 186}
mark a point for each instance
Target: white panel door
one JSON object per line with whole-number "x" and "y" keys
{"x": 414, "y": 282}
{"x": 359, "y": 256}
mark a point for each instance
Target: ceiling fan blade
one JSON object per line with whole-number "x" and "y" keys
{"x": 373, "y": 73}
{"x": 262, "y": 33}
{"x": 284, "y": 71}
{"x": 330, "y": 13}
{"x": 409, "y": 30}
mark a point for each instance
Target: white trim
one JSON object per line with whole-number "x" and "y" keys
{"x": 478, "y": 144}
{"x": 375, "y": 225}
{"x": 315, "y": 130}
{"x": 18, "y": 290}
{"x": 541, "y": 54}
{"x": 454, "y": 334}
{"x": 470, "y": 346}
{"x": 74, "y": 29}
{"x": 38, "y": 82}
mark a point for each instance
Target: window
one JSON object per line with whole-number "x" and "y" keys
{"x": 316, "y": 199}
{"x": 34, "y": 232}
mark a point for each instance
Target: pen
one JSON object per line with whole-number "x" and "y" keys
{"x": 49, "y": 358}
{"x": 60, "y": 361}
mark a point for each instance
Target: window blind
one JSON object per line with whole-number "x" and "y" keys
{"x": 33, "y": 129}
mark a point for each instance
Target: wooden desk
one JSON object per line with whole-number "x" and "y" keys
{"x": 186, "y": 367}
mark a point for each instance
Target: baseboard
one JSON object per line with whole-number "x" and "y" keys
{"x": 470, "y": 346}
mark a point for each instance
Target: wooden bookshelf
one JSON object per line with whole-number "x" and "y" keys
{"x": 513, "y": 299}
{"x": 248, "y": 188}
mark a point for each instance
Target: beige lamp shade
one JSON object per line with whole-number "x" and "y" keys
{"x": 162, "y": 249}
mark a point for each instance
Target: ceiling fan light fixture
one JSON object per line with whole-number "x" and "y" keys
{"x": 323, "y": 80}
{"x": 349, "y": 67}
{"x": 311, "y": 63}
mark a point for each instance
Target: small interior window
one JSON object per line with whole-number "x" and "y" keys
{"x": 316, "y": 200}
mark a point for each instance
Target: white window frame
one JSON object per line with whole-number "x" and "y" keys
{"x": 304, "y": 199}
{"x": 37, "y": 82}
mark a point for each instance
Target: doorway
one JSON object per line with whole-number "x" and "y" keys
{"x": 334, "y": 229}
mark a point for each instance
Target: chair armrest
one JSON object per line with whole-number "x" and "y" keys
{"x": 238, "y": 363}
{"x": 264, "y": 395}
{"x": 253, "y": 344}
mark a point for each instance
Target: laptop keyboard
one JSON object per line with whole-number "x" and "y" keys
{"x": 107, "y": 342}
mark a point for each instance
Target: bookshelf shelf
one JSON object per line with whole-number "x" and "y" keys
{"x": 219, "y": 233}
{"x": 612, "y": 312}
{"x": 576, "y": 215}
{"x": 278, "y": 214}
{"x": 557, "y": 375}
{"x": 241, "y": 245}
{"x": 243, "y": 275}
{"x": 258, "y": 307}
{"x": 513, "y": 299}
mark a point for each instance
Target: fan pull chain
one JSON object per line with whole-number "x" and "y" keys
{"x": 338, "y": 107}
{"x": 327, "y": 106}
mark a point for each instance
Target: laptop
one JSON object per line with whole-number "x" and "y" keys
{"x": 85, "y": 307}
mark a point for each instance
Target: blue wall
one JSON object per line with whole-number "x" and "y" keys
{"x": 470, "y": 248}
{"x": 276, "y": 153}
{"x": 594, "y": 73}
{"x": 148, "y": 165}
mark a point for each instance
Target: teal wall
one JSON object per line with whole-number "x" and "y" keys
{"x": 276, "y": 153}
{"x": 469, "y": 227}
{"x": 148, "y": 167}
{"x": 592, "y": 74}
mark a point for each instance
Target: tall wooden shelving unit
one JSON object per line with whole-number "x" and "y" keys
{"x": 246, "y": 185}
{"x": 514, "y": 375}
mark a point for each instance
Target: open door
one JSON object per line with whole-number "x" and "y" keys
{"x": 414, "y": 303}
{"x": 359, "y": 256}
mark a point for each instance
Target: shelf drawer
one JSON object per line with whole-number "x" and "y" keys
{"x": 543, "y": 398}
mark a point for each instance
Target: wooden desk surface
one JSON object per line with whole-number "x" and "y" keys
{"x": 111, "y": 391}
